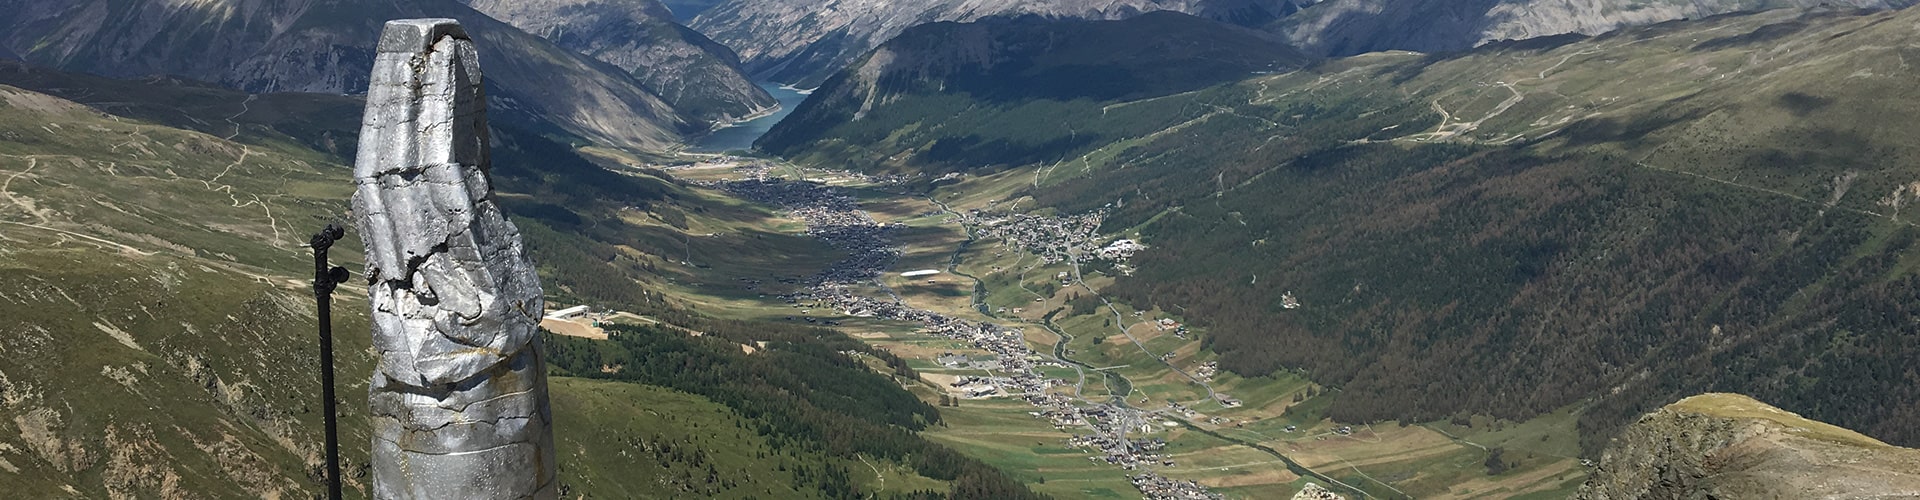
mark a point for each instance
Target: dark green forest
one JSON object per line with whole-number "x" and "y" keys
{"x": 802, "y": 391}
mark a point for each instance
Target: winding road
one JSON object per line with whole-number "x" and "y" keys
{"x": 1059, "y": 348}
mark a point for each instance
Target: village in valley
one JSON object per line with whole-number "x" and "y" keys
{"x": 1011, "y": 368}
{"x": 1112, "y": 432}
{"x": 985, "y": 288}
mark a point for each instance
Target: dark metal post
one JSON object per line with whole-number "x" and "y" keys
{"x": 325, "y": 278}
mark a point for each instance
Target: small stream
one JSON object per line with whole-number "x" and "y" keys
{"x": 1118, "y": 387}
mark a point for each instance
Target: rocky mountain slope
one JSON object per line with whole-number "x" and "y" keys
{"x": 1731, "y": 446}
{"x": 326, "y": 46}
{"x": 1007, "y": 61}
{"x": 1621, "y": 220}
{"x": 1347, "y": 27}
{"x": 804, "y": 41}
{"x": 697, "y": 76}
{"x": 685, "y": 10}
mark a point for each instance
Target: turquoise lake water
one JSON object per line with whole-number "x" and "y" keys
{"x": 742, "y": 135}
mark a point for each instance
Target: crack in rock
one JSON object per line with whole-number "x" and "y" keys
{"x": 459, "y": 397}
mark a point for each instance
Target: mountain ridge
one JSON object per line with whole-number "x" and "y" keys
{"x": 801, "y": 43}
{"x": 1349, "y": 27}
{"x": 324, "y": 46}
{"x": 694, "y": 74}
{"x": 1007, "y": 60}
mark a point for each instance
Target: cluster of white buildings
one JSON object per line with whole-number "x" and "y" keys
{"x": 1120, "y": 250}
{"x": 1158, "y": 487}
{"x": 1054, "y": 239}
{"x": 1207, "y": 370}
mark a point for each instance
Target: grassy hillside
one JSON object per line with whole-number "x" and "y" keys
{"x": 156, "y": 336}
{"x": 1622, "y": 220}
{"x": 157, "y": 331}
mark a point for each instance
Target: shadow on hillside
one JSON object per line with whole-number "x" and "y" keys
{"x": 1629, "y": 132}
{"x": 1763, "y": 34}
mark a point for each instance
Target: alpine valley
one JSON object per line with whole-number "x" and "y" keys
{"x": 1179, "y": 249}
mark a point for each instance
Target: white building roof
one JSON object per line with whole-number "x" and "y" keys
{"x": 568, "y": 312}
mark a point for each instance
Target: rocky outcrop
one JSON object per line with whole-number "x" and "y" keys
{"x": 326, "y": 46}
{"x": 804, "y": 41}
{"x": 1731, "y": 446}
{"x": 459, "y": 397}
{"x": 697, "y": 76}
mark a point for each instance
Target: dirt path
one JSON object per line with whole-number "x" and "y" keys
{"x": 266, "y": 209}
{"x": 94, "y": 239}
{"x": 876, "y": 472}
{"x": 245, "y": 106}
{"x": 1774, "y": 192}
{"x": 27, "y": 206}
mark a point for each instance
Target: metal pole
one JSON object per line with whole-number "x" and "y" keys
{"x": 325, "y": 278}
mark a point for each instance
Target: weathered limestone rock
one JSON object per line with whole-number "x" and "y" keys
{"x": 459, "y": 398}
